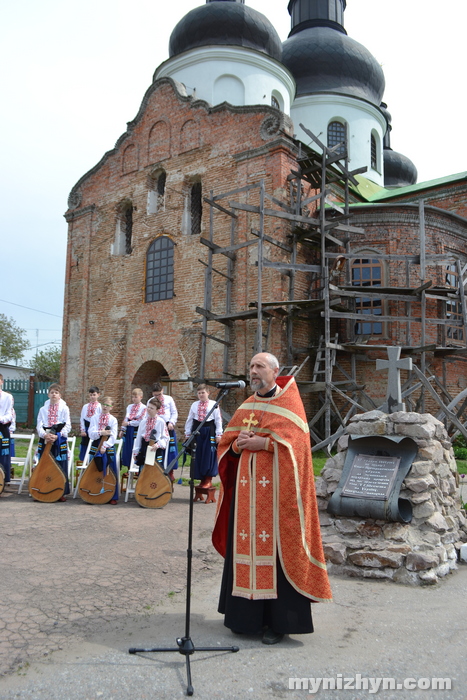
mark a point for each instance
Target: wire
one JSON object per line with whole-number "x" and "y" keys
{"x": 30, "y": 309}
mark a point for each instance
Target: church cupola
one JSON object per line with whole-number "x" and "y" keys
{"x": 225, "y": 51}
{"x": 399, "y": 171}
{"x": 339, "y": 83}
{"x": 225, "y": 23}
{"x": 317, "y": 13}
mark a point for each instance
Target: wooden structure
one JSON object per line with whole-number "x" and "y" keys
{"x": 319, "y": 230}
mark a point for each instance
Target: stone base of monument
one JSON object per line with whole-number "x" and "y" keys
{"x": 418, "y": 552}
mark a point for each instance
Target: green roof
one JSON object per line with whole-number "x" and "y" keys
{"x": 374, "y": 193}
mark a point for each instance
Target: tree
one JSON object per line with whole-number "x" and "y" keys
{"x": 13, "y": 344}
{"x": 46, "y": 364}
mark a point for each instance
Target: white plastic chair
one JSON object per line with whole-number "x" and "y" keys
{"x": 134, "y": 471}
{"x": 71, "y": 442}
{"x": 81, "y": 467}
{"x": 25, "y": 462}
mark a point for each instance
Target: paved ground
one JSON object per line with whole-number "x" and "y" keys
{"x": 81, "y": 584}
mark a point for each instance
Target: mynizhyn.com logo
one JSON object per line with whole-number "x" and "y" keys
{"x": 372, "y": 685}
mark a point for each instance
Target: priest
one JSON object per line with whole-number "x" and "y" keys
{"x": 267, "y": 523}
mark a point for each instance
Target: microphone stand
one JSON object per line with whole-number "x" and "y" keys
{"x": 185, "y": 644}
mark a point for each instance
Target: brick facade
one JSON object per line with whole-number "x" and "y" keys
{"x": 114, "y": 339}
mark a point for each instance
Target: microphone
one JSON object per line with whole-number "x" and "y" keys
{"x": 231, "y": 385}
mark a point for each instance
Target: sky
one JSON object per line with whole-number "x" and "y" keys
{"x": 75, "y": 73}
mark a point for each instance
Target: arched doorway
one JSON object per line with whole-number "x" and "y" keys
{"x": 148, "y": 373}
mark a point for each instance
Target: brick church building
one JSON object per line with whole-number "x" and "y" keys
{"x": 248, "y": 203}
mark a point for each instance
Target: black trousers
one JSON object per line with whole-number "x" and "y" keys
{"x": 289, "y": 613}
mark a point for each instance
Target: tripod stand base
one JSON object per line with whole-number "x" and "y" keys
{"x": 186, "y": 647}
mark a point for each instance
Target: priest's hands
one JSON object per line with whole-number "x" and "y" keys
{"x": 250, "y": 441}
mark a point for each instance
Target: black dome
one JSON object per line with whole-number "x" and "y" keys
{"x": 323, "y": 60}
{"x": 226, "y": 24}
{"x": 399, "y": 171}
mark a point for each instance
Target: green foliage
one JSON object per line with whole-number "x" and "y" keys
{"x": 460, "y": 441}
{"x": 460, "y": 452}
{"x": 13, "y": 344}
{"x": 46, "y": 365}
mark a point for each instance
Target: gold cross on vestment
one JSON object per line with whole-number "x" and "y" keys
{"x": 250, "y": 421}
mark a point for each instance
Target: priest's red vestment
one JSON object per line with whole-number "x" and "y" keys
{"x": 276, "y": 513}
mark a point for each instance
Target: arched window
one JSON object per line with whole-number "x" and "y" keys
{"x": 374, "y": 153}
{"x": 161, "y": 183}
{"x": 156, "y": 192}
{"x": 196, "y": 208}
{"x": 275, "y": 102}
{"x": 160, "y": 270}
{"x": 123, "y": 230}
{"x": 367, "y": 272}
{"x": 337, "y": 134}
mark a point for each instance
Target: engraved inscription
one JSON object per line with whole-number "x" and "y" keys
{"x": 371, "y": 476}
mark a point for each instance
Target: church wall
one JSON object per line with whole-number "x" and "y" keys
{"x": 104, "y": 297}
{"x": 259, "y": 75}
{"x": 451, "y": 196}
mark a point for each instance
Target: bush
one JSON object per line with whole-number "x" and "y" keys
{"x": 460, "y": 452}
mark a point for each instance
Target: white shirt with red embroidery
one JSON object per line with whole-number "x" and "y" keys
{"x": 195, "y": 413}
{"x": 135, "y": 412}
{"x": 162, "y": 434}
{"x": 63, "y": 416}
{"x": 88, "y": 411}
{"x": 99, "y": 423}
{"x": 168, "y": 410}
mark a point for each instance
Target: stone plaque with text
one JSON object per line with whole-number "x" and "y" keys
{"x": 371, "y": 476}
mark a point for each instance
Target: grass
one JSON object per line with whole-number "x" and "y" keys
{"x": 319, "y": 460}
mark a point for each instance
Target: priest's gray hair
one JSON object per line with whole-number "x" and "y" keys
{"x": 272, "y": 360}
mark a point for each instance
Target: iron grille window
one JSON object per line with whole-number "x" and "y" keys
{"x": 275, "y": 102}
{"x": 160, "y": 270}
{"x": 374, "y": 153}
{"x": 366, "y": 272}
{"x": 196, "y": 208}
{"x": 453, "y": 307}
{"x": 337, "y": 134}
{"x": 128, "y": 225}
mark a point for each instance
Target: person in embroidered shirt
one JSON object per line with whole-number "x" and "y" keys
{"x": 204, "y": 451}
{"x": 168, "y": 411}
{"x": 134, "y": 414}
{"x": 87, "y": 412}
{"x": 105, "y": 424}
{"x": 267, "y": 523}
{"x": 152, "y": 424}
{"x": 6, "y": 418}
{"x": 54, "y": 412}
